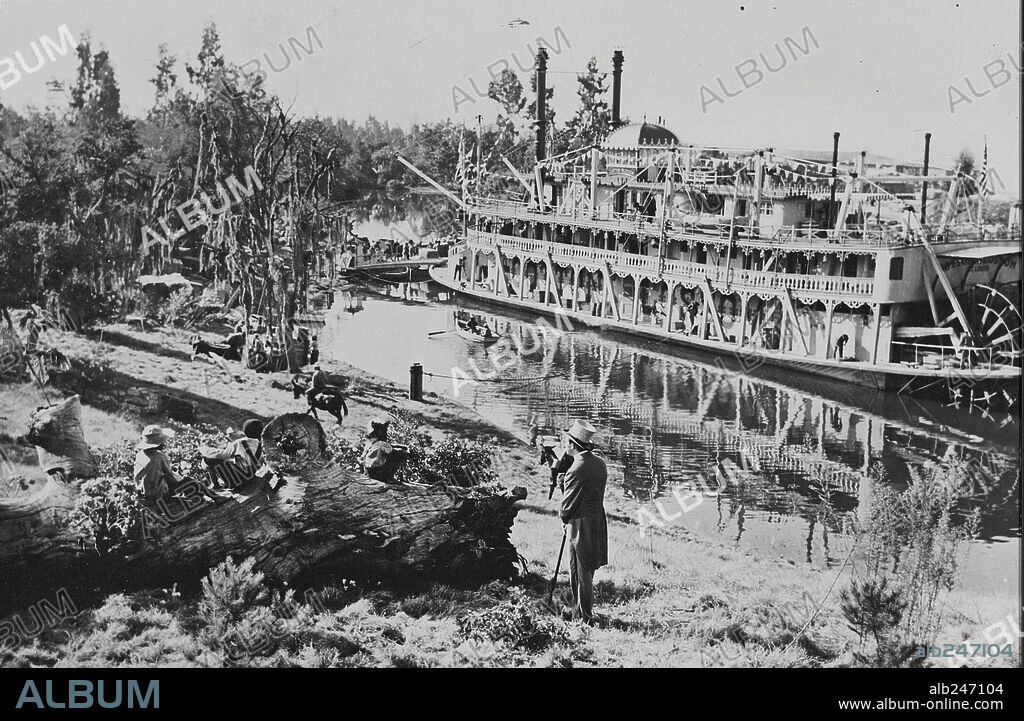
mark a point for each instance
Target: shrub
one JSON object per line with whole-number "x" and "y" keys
{"x": 873, "y": 608}
{"x": 427, "y": 462}
{"x": 442, "y": 462}
{"x": 230, "y": 590}
{"x": 516, "y": 622}
{"x": 912, "y": 544}
{"x": 109, "y": 512}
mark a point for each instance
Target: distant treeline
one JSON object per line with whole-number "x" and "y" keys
{"x": 88, "y": 194}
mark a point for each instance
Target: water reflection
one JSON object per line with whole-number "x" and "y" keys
{"x": 798, "y": 466}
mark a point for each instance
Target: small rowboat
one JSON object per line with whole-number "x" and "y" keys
{"x": 475, "y": 336}
{"x": 407, "y": 275}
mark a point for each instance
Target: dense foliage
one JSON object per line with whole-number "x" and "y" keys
{"x": 518, "y": 622}
{"x": 109, "y": 512}
{"x": 90, "y": 198}
{"x": 427, "y": 462}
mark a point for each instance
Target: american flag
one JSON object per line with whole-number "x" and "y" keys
{"x": 983, "y": 177}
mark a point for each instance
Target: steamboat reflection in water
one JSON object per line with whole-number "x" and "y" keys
{"x": 800, "y": 462}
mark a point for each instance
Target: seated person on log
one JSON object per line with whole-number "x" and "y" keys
{"x": 380, "y": 459}
{"x": 240, "y": 461}
{"x": 153, "y": 473}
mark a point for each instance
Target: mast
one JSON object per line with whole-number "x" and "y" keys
{"x": 981, "y": 190}
{"x": 755, "y": 215}
{"x": 666, "y": 198}
{"x": 479, "y": 136}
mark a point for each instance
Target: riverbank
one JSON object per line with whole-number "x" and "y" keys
{"x": 667, "y": 597}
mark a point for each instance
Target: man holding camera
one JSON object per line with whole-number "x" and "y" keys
{"x": 582, "y": 512}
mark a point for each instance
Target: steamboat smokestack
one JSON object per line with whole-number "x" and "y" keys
{"x": 616, "y": 87}
{"x": 542, "y": 116}
{"x": 924, "y": 185}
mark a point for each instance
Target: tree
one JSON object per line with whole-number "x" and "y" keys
{"x": 592, "y": 121}
{"x": 165, "y": 79}
{"x": 965, "y": 162}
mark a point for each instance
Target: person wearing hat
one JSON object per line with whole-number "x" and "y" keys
{"x": 153, "y": 472}
{"x": 376, "y": 450}
{"x": 582, "y": 512}
{"x": 318, "y": 385}
{"x": 239, "y": 460}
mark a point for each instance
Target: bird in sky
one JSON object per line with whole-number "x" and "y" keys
{"x": 517, "y": 21}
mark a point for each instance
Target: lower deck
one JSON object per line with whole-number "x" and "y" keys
{"x": 936, "y": 372}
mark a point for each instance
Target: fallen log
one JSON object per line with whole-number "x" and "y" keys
{"x": 327, "y": 521}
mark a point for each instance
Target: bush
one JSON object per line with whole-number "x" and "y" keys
{"x": 109, "y": 512}
{"x": 441, "y": 463}
{"x": 873, "y": 608}
{"x": 426, "y": 462}
{"x": 516, "y": 622}
{"x": 230, "y": 590}
{"x": 911, "y": 544}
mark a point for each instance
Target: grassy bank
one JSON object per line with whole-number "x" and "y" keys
{"x": 667, "y": 597}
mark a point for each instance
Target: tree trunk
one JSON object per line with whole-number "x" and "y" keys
{"x": 328, "y": 521}
{"x": 56, "y": 432}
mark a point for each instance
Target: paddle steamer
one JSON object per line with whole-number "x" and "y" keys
{"x": 837, "y": 268}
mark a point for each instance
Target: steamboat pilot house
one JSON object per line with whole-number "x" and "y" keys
{"x": 755, "y": 253}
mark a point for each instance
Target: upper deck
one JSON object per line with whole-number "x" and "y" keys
{"x": 800, "y": 238}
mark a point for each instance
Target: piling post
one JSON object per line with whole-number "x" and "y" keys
{"x": 416, "y": 382}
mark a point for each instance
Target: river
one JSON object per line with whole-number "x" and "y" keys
{"x": 791, "y": 464}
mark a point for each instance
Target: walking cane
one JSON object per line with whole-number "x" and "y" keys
{"x": 558, "y": 564}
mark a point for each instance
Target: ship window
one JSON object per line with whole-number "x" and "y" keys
{"x": 850, "y": 266}
{"x": 896, "y": 269}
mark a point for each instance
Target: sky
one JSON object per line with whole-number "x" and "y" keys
{"x": 878, "y": 71}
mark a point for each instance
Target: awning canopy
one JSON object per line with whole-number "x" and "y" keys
{"x": 171, "y": 280}
{"x": 922, "y": 332}
{"x": 986, "y": 251}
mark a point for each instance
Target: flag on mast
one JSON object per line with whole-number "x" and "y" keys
{"x": 983, "y": 178}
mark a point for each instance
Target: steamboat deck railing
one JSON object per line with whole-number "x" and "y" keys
{"x": 685, "y": 272}
{"x": 955, "y": 358}
{"x": 719, "y": 229}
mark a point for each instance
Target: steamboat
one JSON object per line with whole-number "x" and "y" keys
{"x": 840, "y": 269}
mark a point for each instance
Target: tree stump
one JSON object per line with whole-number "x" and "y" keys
{"x": 56, "y": 432}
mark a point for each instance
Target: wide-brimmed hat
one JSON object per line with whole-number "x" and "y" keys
{"x": 252, "y": 428}
{"x": 154, "y": 436}
{"x": 582, "y": 434}
{"x": 376, "y": 425}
